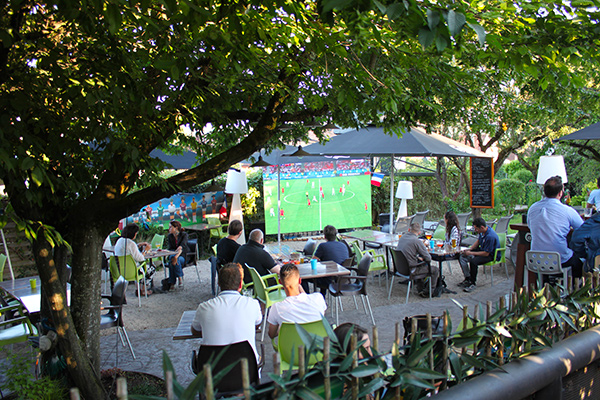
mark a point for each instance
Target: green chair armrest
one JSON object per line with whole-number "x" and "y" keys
{"x": 274, "y": 287}
{"x": 273, "y": 275}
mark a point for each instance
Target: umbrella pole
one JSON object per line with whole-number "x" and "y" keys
{"x": 278, "y": 205}
{"x": 392, "y": 221}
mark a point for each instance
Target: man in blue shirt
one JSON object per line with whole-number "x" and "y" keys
{"x": 550, "y": 221}
{"x": 585, "y": 241}
{"x": 331, "y": 250}
{"x": 594, "y": 199}
{"x": 480, "y": 252}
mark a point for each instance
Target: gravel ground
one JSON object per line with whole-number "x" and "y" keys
{"x": 164, "y": 310}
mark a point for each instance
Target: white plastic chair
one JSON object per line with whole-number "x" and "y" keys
{"x": 545, "y": 263}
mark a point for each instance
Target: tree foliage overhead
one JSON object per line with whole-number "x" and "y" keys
{"x": 89, "y": 88}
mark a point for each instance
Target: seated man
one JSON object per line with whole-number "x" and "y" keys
{"x": 550, "y": 221}
{"x": 415, "y": 252}
{"x": 228, "y": 246}
{"x": 480, "y": 252}
{"x": 254, "y": 254}
{"x": 298, "y": 307}
{"x": 229, "y": 317}
{"x": 331, "y": 250}
{"x": 594, "y": 199}
{"x": 585, "y": 241}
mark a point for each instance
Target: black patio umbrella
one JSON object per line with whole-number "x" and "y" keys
{"x": 591, "y": 132}
{"x": 373, "y": 141}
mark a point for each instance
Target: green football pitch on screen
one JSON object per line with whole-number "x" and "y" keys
{"x": 311, "y": 203}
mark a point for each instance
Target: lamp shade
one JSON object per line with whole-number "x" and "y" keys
{"x": 551, "y": 166}
{"x": 404, "y": 190}
{"x": 236, "y": 182}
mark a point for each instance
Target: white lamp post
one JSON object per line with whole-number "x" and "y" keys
{"x": 404, "y": 192}
{"x": 551, "y": 166}
{"x": 237, "y": 184}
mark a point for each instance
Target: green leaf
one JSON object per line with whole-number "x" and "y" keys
{"x": 37, "y": 175}
{"x": 480, "y": 32}
{"x": 395, "y": 11}
{"x": 27, "y": 163}
{"x": 371, "y": 387}
{"x": 364, "y": 370}
{"x": 440, "y": 43}
{"x": 433, "y": 19}
{"x": 456, "y": 21}
{"x": 113, "y": 15}
{"x": 426, "y": 37}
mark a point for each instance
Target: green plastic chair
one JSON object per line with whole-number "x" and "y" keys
{"x": 216, "y": 232}
{"x": 130, "y": 270}
{"x": 289, "y": 340}
{"x": 2, "y": 264}
{"x": 158, "y": 243}
{"x": 439, "y": 233}
{"x": 16, "y": 328}
{"x": 268, "y": 295}
{"x": 378, "y": 262}
{"x": 502, "y": 251}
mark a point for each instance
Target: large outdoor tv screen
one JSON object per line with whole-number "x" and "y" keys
{"x": 336, "y": 192}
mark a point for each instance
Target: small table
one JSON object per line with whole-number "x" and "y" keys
{"x": 31, "y": 298}
{"x": 324, "y": 269}
{"x": 149, "y": 255}
{"x": 201, "y": 227}
{"x": 184, "y": 328}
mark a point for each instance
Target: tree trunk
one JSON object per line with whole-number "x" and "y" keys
{"x": 79, "y": 367}
{"x": 87, "y": 242}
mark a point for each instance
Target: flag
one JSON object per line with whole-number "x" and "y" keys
{"x": 223, "y": 210}
{"x": 376, "y": 179}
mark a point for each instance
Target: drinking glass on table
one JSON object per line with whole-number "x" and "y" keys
{"x": 439, "y": 244}
{"x": 428, "y": 236}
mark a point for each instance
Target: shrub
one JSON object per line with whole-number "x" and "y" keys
{"x": 523, "y": 175}
{"x": 509, "y": 193}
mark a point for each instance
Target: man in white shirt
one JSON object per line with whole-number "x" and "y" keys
{"x": 298, "y": 307}
{"x": 229, "y": 317}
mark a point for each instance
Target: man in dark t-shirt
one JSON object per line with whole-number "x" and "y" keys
{"x": 254, "y": 254}
{"x": 331, "y": 250}
{"x": 228, "y": 246}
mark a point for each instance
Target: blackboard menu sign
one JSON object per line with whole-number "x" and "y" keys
{"x": 482, "y": 182}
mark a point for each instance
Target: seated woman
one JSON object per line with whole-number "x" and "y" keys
{"x": 177, "y": 241}
{"x": 452, "y": 228}
{"x": 126, "y": 246}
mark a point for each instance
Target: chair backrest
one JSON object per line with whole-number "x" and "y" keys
{"x": 543, "y": 262}
{"x": 357, "y": 251}
{"x": 220, "y": 357}
{"x": 400, "y": 263}
{"x": 216, "y": 232}
{"x": 289, "y": 340}
{"x": 463, "y": 219}
{"x": 502, "y": 224}
{"x": 157, "y": 241}
{"x": 2, "y": 264}
{"x": 309, "y": 247}
{"x": 348, "y": 262}
{"x": 260, "y": 290}
{"x": 364, "y": 264}
{"x": 116, "y": 299}
{"x": 124, "y": 266}
{"x": 402, "y": 224}
{"x": 440, "y": 233}
{"x": 419, "y": 217}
